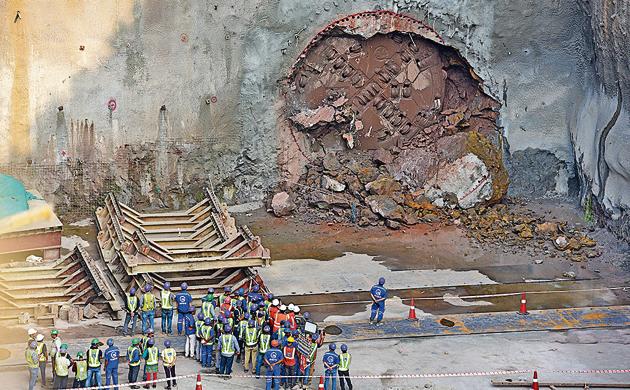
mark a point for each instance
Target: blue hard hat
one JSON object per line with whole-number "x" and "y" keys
{"x": 270, "y": 296}
{"x": 207, "y": 321}
{"x": 228, "y": 314}
{"x": 306, "y": 315}
{"x": 220, "y": 318}
{"x": 184, "y": 286}
{"x": 227, "y": 288}
{"x": 225, "y": 321}
{"x": 192, "y": 310}
{"x": 110, "y": 342}
{"x": 344, "y": 348}
{"x": 246, "y": 316}
{"x": 227, "y": 328}
{"x": 167, "y": 285}
{"x": 200, "y": 316}
{"x": 254, "y": 308}
{"x": 296, "y": 332}
{"x": 167, "y": 343}
{"x": 150, "y": 330}
{"x": 151, "y": 342}
{"x": 315, "y": 336}
{"x": 241, "y": 291}
{"x": 251, "y": 323}
{"x": 238, "y": 303}
{"x": 332, "y": 346}
{"x": 255, "y": 288}
{"x": 261, "y": 314}
{"x": 147, "y": 288}
{"x": 132, "y": 291}
{"x": 266, "y": 329}
{"x": 210, "y": 290}
{"x": 381, "y": 281}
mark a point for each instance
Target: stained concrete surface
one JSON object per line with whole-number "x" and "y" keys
{"x": 544, "y": 351}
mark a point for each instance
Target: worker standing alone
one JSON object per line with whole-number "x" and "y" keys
{"x": 344, "y": 367}
{"x": 378, "y": 293}
{"x": 169, "y": 357}
{"x": 112, "y": 353}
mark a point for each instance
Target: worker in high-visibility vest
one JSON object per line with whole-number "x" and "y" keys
{"x": 133, "y": 357}
{"x": 207, "y": 342}
{"x": 63, "y": 362}
{"x": 240, "y": 332}
{"x": 264, "y": 341}
{"x": 54, "y": 348}
{"x": 198, "y": 324}
{"x": 228, "y": 347}
{"x": 167, "y": 301}
{"x": 344, "y": 367}
{"x": 251, "y": 345}
{"x": 290, "y": 362}
{"x": 94, "y": 359}
{"x": 79, "y": 367}
{"x": 169, "y": 357}
{"x": 42, "y": 357}
{"x": 131, "y": 312}
{"x": 147, "y": 308}
{"x": 32, "y": 362}
{"x": 207, "y": 304}
{"x": 151, "y": 356}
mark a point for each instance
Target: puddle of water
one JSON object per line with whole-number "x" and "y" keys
{"x": 457, "y": 301}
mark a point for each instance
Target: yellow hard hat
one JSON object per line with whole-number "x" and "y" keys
{"x": 290, "y": 339}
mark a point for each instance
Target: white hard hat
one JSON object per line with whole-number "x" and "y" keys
{"x": 40, "y": 337}
{"x": 291, "y": 306}
{"x": 32, "y": 332}
{"x": 275, "y": 302}
{"x": 296, "y": 309}
{"x": 283, "y": 307}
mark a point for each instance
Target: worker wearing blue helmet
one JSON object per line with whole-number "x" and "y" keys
{"x": 112, "y": 353}
{"x": 183, "y": 300}
{"x": 378, "y": 293}
{"x": 167, "y": 302}
{"x": 131, "y": 312}
{"x": 331, "y": 364}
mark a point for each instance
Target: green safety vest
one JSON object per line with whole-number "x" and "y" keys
{"x": 206, "y": 309}
{"x": 61, "y": 365}
{"x": 152, "y": 358}
{"x": 32, "y": 362}
{"x": 263, "y": 343}
{"x": 344, "y": 361}
{"x": 198, "y": 325}
{"x": 81, "y": 370}
{"x": 251, "y": 334}
{"x": 166, "y": 300}
{"x": 132, "y": 303}
{"x": 130, "y": 352}
{"x": 205, "y": 334}
{"x": 168, "y": 356}
{"x": 226, "y": 344}
{"x": 148, "y": 302}
{"x": 93, "y": 360}
{"x": 313, "y": 351}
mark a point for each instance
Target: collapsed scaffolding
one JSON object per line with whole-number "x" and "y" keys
{"x": 201, "y": 246}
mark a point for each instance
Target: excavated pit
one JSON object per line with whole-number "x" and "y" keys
{"x": 391, "y": 124}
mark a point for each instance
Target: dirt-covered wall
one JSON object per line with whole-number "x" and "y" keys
{"x": 216, "y": 68}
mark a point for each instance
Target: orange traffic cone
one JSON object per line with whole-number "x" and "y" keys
{"x": 321, "y": 382}
{"x": 523, "y": 309}
{"x": 412, "y": 311}
{"x": 198, "y": 387}
{"x": 535, "y": 381}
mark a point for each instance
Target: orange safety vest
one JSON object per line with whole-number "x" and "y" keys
{"x": 291, "y": 319}
{"x": 289, "y": 356}
{"x": 278, "y": 319}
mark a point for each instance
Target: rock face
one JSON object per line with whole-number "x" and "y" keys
{"x": 282, "y": 205}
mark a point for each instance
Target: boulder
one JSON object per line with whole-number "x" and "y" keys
{"x": 331, "y": 184}
{"x": 282, "y": 205}
{"x": 382, "y": 156}
{"x": 385, "y": 206}
{"x": 326, "y": 201}
{"x": 384, "y": 185}
{"x": 331, "y": 163}
{"x": 392, "y": 224}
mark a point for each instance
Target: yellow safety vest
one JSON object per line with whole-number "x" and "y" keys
{"x": 61, "y": 365}
{"x": 40, "y": 351}
{"x": 152, "y": 358}
{"x": 263, "y": 343}
{"x": 93, "y": 360}
{"x": 130, "y": 352}
{"x": 226, "y": 343}
{"x": 168, "y": 356}
{"x": 148, "y": 302}
{"x": 205, "y": 334}
{"x": 132, "y": 303}
{"x": 251, "y": 336}
{"x": 81, "y": 370}
{"x": 344, "y": 361}
{"x": 166, "y": 300}
{"x": 206, "y": 309}
{"x": 198, "y": 325}
{"x": 30, "y": 361}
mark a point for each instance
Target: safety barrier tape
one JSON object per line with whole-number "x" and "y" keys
{"x": 511, "y": 294}
{"x": 392, "y": 376}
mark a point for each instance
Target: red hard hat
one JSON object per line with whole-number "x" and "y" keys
{"x": 227, "y": 300}
{"x": 274, "y": 343}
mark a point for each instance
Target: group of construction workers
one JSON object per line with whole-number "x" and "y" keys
{"x": 252, "y": 328}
